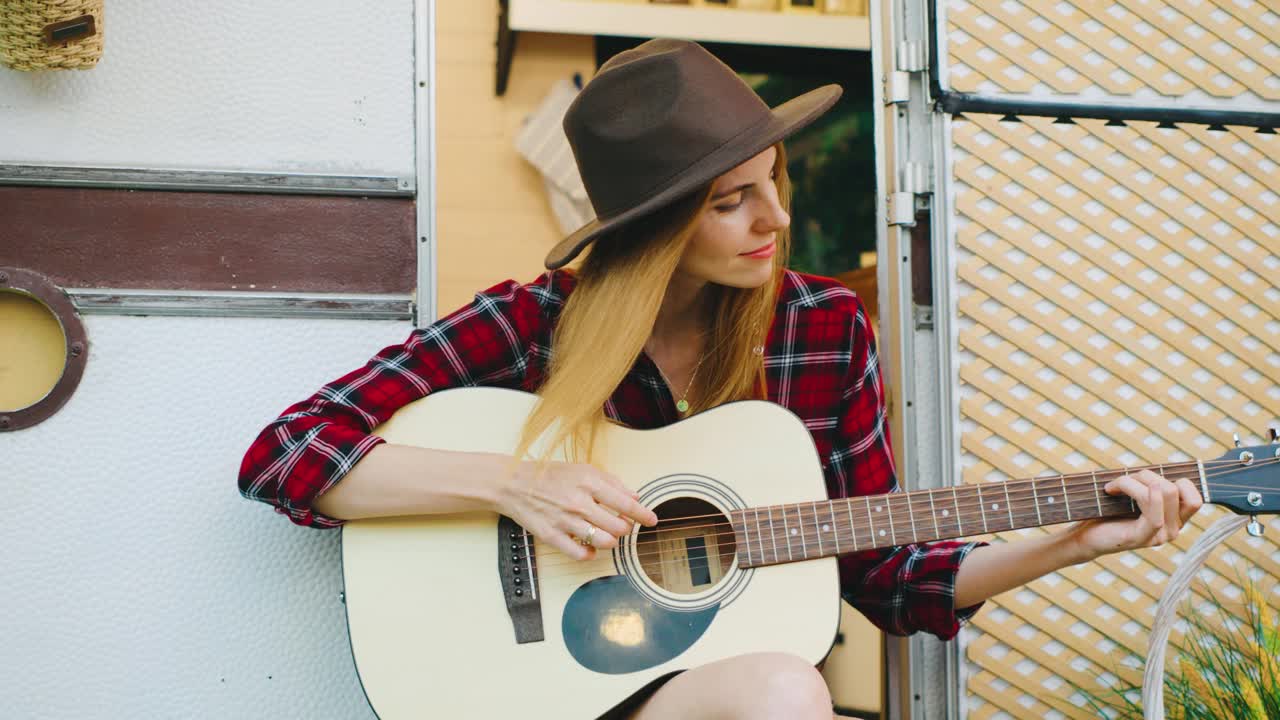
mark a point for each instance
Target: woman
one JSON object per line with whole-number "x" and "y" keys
{"x": 681, "y": 304}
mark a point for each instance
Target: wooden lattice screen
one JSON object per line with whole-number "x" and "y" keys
{"x": 1225, "y": 49}
{"x": 1119, "y": 304}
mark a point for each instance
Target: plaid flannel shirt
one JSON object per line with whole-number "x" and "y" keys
{"x": 820, "y": 363}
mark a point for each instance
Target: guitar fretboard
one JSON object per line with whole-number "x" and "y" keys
{"x": 803, "y": 531}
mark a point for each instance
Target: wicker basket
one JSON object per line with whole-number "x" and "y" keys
{"x": 50, "y": 34}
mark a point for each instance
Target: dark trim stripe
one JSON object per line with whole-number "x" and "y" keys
{"x": 157, "y": 240}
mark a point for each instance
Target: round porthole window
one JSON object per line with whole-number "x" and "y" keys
{"x": 42, "y": 348}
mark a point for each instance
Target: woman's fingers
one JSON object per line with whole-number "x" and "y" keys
{"x": 566, "y": 541}
{"x": 1166, "y": 506}
{"x": 1172, "y": 508}
{"x": 1191, "y": 499}
{"x": 1150, "y": 501}
{"x": 609, "y": 526}
{"x": 579, "y": 502}
{"x": 622, "y": 502}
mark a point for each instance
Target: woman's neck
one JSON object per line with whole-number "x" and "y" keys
{"x": 681, "y": 320}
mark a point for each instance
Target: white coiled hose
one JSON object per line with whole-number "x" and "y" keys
{"x": 1167, "y": 611}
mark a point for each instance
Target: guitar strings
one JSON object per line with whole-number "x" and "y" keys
{"x": 590, "y": 567}
{"x": 586, "y": 566}
{"x": 805, "y": 528}
{"x": 1021, "y": 482}
{"x": 548, "y": 570}
{"x": 974, "y": 492}
{"x": 811, "y": 529}
{"x": 806, "y": 525}
{"x": 971, "y": 496}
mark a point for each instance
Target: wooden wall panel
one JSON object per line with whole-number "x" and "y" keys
{"x": 493, "y": 220}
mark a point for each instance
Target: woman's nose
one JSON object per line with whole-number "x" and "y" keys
{"x": 774, "y": 217}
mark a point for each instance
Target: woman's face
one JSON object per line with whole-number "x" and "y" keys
{"x": 734, "y": 243}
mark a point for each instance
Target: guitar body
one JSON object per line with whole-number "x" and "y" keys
{"x": 428, "y": 599}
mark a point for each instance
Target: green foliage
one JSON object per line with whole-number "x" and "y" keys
{"x": 832, "y": 169}
{"x": 1226, "y": 667}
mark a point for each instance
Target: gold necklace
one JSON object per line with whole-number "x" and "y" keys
{"x": 682, "y": 404}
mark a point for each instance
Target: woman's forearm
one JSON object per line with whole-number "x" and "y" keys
{"x": 992, "y": 569}
{"x": 406, "y": 480}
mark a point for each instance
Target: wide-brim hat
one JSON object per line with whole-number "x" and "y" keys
{"x": 662, "y": 120}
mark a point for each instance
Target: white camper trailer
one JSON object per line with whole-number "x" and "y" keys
{"x": 215, "y": 208}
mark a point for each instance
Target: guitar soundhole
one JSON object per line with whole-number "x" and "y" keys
{"x": 690, "y": 549}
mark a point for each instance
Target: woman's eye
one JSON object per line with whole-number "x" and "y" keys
{"x": 727, "y": 208}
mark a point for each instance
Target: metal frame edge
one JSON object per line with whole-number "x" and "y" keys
{"x": 212, "y": 303}
{"x": 286, "y": 183}
{"x": 424, "y": 86}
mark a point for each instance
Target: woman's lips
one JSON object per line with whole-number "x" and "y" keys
{"x": 764, "y": 252}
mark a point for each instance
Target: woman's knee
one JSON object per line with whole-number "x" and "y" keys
{"x": 755, "y": 686}
{"x": 776, "y": 684}
{"x": 790, "y": 687}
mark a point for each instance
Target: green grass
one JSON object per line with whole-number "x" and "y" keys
{"x": 1226, "y": 666}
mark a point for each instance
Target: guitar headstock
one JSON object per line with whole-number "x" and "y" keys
{"x": 1246, "y": 479}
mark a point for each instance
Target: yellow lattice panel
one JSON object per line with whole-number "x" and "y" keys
{"x": 1118, "y": 305}
{"x": 1223, "y": 48}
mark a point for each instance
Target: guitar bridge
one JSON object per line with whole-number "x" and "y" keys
{"x": 518, "y": 571}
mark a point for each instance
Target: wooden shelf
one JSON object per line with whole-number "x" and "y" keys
{"x": 704, "y": 24}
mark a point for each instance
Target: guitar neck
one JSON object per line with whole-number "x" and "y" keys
{"x": 778, "y": 534}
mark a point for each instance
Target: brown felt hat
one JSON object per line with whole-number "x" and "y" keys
{"x": 662, "y": 120}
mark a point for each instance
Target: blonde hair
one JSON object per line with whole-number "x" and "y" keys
{"x": 611, "y": 313}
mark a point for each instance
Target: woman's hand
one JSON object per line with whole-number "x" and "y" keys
{"x": 562, "y": 503}
{"x": 1166, "y": 506}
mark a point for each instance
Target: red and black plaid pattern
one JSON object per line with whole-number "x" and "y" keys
{"x": 820, "y": 362}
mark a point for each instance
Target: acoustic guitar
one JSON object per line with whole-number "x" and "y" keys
{"x": 466, "y": 615}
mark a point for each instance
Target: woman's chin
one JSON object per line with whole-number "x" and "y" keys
{"x": 749, "y": 277}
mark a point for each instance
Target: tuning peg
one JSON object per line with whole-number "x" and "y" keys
{"x": 1275, "y": 435}
{"x": 1254, "y": 527}
{"x": 1235, "y": 437}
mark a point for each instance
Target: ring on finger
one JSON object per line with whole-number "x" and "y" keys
{"x": 588, "y": 538}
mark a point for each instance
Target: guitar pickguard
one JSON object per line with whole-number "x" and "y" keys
{"x": 610, "y": 627}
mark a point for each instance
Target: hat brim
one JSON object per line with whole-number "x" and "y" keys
{"x": 784, "y": 120}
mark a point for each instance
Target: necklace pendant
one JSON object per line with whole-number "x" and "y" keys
{"x": 682, "y": 405}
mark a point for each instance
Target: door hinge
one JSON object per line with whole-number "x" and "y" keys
{"x": 915, "y": 178}
{"x": 901, "y": 209}
{"x": 911, "y": 56}
{"x": 897, "y": 87}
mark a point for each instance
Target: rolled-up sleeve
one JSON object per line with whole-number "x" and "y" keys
{"x": 905, "y": 589}
{"x": 315, "y": 442}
